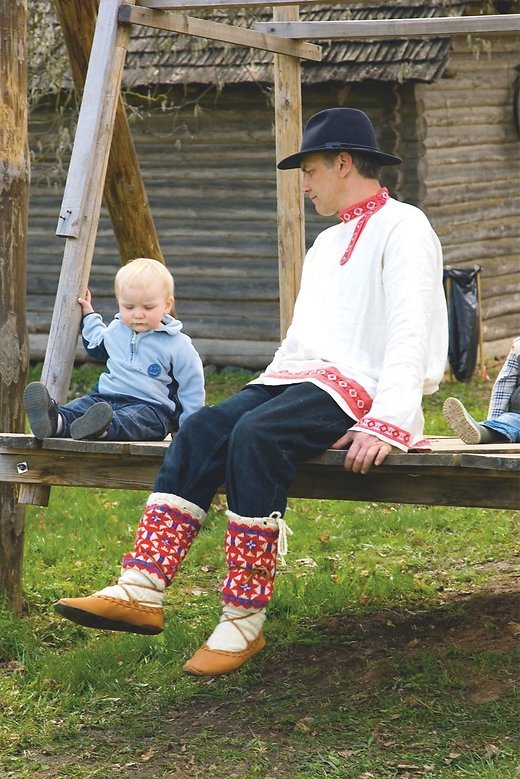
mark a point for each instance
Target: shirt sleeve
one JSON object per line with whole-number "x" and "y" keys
{"x": 93, "y": 331}
{"x": 189, "y": 374}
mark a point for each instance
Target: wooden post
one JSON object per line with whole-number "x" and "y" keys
{"x": 291, "y": 219}
{"x": 14, "y": 199}
{"x": 79, "y": 215}
{"x": 124, "y": 192}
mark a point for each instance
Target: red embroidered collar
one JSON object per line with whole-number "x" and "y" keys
{"x": 364, "y": 210}
{"x": 368, "y": 206}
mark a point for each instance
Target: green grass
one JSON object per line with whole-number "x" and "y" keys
{"x": 390, "y": 645}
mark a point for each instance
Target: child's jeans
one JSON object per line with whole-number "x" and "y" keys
{"x": 133, "y": 420}
{"x": 507, "y": 424}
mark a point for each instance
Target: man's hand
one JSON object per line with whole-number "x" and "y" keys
{"x": 364, "y": 450}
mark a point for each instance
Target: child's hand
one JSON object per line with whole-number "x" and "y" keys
{"x": 86, "y": 304}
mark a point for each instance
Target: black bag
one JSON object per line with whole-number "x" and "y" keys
{"x": 461, "y": 289}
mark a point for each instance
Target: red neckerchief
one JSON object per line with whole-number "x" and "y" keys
{"x": 365, "y": 209}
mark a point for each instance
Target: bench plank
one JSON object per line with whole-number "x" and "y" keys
{"x": 452, "y": 474}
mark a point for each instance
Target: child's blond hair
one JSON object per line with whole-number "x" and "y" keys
{"x": 140, "y": 272}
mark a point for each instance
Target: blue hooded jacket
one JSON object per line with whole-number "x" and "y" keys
{"x": 158, "y": 366}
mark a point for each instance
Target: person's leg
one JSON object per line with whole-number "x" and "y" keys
{"x": 268, "y": 442}
{"x": 130, "y": 420}
{"x": 194, "y": 466}
{"x": 82, "y": 417}
{"x": 85, "y": 417}
{"x": 265, "y": 447}
{"x": 468, "y": 429}
{"x": 165, "y": 533}
{"x": 505, "y": 427}
{"x": 42, "y": 411}
{"x": 195, "y": 462}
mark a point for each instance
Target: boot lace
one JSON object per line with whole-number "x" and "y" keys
{"x": 283, "y": 532}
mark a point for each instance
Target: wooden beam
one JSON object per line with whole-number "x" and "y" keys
{"x": 81, "y": 206}
{"x": 14, "y": 203}
{"x": 124, "y": 191}
{"x": 290, "y": 205}
{"x": 203, "y": 28}
{"x": 392, "y": 28}
{"x": 452, "y": 475}
{"x": 95, "y": 123}
{"x": 202, "y": 5}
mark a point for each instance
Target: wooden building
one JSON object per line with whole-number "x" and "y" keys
{"x": 202, "y": 121}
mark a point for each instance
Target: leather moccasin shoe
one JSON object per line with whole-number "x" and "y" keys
{"x": 212, "y": 662}
{"x": 106, "y": 613}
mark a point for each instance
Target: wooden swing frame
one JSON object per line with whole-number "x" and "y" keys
{"x": 103, "y": 160}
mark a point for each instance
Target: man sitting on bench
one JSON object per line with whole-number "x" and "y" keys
{"x": 368, "y": 338}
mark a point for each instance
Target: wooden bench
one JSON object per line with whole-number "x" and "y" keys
{"x": 452, "y": 474}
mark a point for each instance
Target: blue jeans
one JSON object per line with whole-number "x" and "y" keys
{"x": 508, "y": 424}
{"x": 252, "y": 442}
{"x": 133, "y": 420}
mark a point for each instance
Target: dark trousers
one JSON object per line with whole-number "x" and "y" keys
{"x": 252, "y": 442}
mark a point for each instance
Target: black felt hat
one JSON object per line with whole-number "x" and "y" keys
{"x": 335, "y": 129}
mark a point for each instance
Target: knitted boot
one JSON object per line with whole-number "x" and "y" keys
{"x": 134, "y": 605}
{"x": 251, "y": 548}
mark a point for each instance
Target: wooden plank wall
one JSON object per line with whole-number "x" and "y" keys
{"x": 471, "y": 185}
{"x": 210, "y": 176}
{"x": 211, "y": 180}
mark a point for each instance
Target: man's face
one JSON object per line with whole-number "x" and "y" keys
{"x": 323, "y": 183}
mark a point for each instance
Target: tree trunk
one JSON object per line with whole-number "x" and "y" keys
{"x": 14, "y": 198}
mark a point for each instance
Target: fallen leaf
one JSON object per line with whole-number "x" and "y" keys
{"x": 491, "y": 751}
{"x": 197, "y": 591}
{"x": 451, "y": 757}
{"x": 307, "y": 561}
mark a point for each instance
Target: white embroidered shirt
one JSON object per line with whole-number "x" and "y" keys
{"x": 370, "y": 323}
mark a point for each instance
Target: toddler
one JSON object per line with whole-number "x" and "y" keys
{"x": 154, "y": 378}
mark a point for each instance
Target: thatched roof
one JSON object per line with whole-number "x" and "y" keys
{"x": 160, "y": 58}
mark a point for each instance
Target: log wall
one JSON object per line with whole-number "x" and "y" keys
{"x": 209, "y": 170}
{"x": 210, "y": 175}
{"x": 470, "y": 174}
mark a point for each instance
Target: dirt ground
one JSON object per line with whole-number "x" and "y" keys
{"x": 354, "y": 663}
